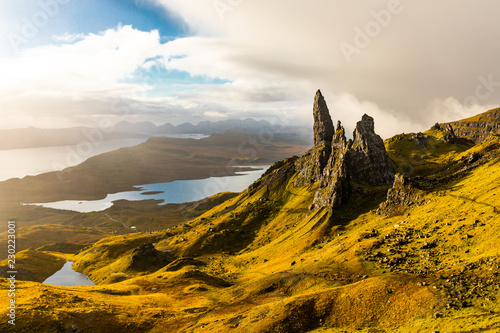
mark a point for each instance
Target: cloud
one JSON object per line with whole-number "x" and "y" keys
{"x": 75, "y": 79}
{"x": 68, "y": 38}
{"x": 94, "y": 64}
{"x": 410, "y": 54}
{"x": 415, "y": 63}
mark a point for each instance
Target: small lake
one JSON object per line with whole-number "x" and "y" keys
{"x": 179, "y": 191}
{"x": 67, "y": 277}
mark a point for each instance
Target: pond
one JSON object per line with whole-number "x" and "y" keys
{"x": 67, "y": 277}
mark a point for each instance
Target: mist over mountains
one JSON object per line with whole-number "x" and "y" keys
{"x": 37, "y": 137}
{"x": 210, "y": 127}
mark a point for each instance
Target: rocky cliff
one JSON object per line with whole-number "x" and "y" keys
{"x": 335, "y": 162}
{"x": 477, "y": 128}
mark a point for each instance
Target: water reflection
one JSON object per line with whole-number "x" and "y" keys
{"x": 18, "y": 163}
{"x": 67, "y": 277}
{"x": 179, "y": 191}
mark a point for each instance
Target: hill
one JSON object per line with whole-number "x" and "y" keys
{"x": 155, "y": 161}
{"x": 37, "y": 137}
{"x": 355, "y": 235}
{"x": 211, "y": 127}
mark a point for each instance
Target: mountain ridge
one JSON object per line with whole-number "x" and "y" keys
{"x": 37, "y": 137}
{"x": 478, "y": 128}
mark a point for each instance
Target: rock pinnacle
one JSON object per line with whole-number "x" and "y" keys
{"x": 323, "y": 125}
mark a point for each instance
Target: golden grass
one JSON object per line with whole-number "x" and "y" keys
{"x": 272, "y": 265}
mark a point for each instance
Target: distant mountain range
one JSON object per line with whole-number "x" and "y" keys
{"x": 209, "y": 127}
{"x": 36, "y": 137}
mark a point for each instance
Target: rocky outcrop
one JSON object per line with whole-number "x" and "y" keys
{"x": 335, "y": 162}
{"x": 334, "y": 188}
{"x": 449, "y": 134}
{"x": 311, "y": 165}
{"x": 402, "y": 195}
{"x": 368, "y": 160}
{"x": 147, "y": 258}
{"x": 478, "y": 128}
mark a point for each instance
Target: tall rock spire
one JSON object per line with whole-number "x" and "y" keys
{"x": 311, "y": 165}
{"x": 323, "y": 125}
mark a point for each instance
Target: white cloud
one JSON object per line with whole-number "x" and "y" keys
{"x": 417, "y": 69}
{"x": 91, "y": 65}
{"x": 421, "y": 53}
{"x": 68, "y": 38}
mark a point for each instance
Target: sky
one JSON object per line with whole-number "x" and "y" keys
{"x": 408, "y": 64}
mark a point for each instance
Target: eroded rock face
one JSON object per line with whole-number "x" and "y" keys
{"x": 323, "y": 125}
{"x": 402, "y": 195}
{"x": 311, "y": 165}
{"x": 369, "y": 161}
{"x": 334, "y": 162}
{"x": 479, "y": 128}
{"x": 449, "y": 134}
{"x": 334, "y": 188}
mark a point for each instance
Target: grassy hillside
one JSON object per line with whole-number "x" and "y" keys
{"x": 35, "y": 265}
{"x": 36, "y": 226}
{"x": 37, "y": 236}
{"x": 262, "y": 261}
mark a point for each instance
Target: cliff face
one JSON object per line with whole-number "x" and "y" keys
{"x": 323, "y": 125}
{"x": 335, "y": 162}
{"x": 478, "y": 128}
{"x": 369, "y": 160}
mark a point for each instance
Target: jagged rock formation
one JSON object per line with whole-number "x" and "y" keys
{"x": 449, "y": 134}
{"x": 478, "y": 128}
{"x": 369, "y": 161}
{"x": 334, "y": 162}
{"x": 403, "y": 194}
{"x": 334, "y": 188}
{"x": 311, "y": 165}
{"x": 323, "y": 125}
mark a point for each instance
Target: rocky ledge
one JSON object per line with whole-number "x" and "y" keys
{"x": 479, "y": 128}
